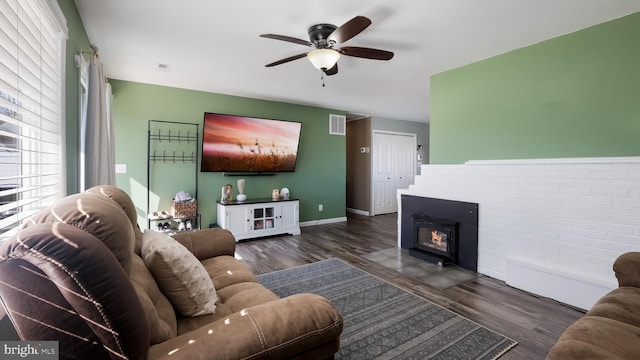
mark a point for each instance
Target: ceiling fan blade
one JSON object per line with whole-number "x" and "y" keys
{"x": 287, "y": 38}
{"x": 366, "y": 53}
{"x": 290, "y": 58}
{"x": 332, "y": 71}
{"x": 349, "y": 29}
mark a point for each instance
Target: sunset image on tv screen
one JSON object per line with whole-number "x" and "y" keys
{"x": 238, "y": 143}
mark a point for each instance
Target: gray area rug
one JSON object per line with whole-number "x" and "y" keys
{"x": 382, "y": 321}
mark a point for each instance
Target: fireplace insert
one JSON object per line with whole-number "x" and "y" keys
{"x": 461, "y": 216}
{"x": 435, "y": 237}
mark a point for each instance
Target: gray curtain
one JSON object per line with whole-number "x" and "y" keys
{"x": 99, "y": 159}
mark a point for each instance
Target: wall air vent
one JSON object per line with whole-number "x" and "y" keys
{"x": 337, "y": 124}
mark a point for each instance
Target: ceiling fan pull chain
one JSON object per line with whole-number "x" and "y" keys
{"x": 322, "y": 78}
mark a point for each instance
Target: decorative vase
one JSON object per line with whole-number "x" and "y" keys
{"x": 275, "y": 194}
{"x": 241, "y": 195}
{"x": 284, "y": 193}
{"x": 227, "y": 194}
{"x": 241, "y": 186}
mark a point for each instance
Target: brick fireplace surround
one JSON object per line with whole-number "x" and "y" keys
{"x": 552, "y": 227}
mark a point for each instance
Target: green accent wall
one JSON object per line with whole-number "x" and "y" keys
{"x": 320, "y": 172}
{"x": 577, "y": 95}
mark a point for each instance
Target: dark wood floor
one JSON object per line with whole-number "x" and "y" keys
{"x": 534, "y": 322}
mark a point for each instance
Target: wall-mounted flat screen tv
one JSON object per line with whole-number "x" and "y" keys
{"x": 232, "y": 143}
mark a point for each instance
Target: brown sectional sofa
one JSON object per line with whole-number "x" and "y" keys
{"x": 611, "y": 329}
{"x": 75, "y": 274}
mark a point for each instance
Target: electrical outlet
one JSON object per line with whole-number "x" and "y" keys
{"x": 320, "y": 207}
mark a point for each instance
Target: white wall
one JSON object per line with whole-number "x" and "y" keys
{"x": 550, "y": 226}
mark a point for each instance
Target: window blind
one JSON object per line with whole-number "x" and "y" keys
{"x": 32, "y": 39}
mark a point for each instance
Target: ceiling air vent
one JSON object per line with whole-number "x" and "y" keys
{"x": 337, "y": 124}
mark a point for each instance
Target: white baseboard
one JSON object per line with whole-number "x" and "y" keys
{"x": 323, "y": 221}
{"x": 358, "y": 211}
{"x": 558, "y": 284}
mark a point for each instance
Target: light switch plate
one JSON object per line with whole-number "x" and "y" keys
{"x": 121, "y": 168}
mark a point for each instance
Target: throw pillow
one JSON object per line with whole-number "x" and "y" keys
{"x": 179, "y": 274}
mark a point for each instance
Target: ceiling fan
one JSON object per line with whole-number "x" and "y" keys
{"x": 324, "y": 38}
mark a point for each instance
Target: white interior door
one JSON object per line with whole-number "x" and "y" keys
{"x": 405, "y": 163}
{"x": 393, "y": 168}
{"x": 383, "y": 173}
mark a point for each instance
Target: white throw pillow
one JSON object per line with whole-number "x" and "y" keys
{"x": 179, "y": 274}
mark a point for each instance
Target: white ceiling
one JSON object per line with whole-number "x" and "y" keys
{"x": 214, "y": 46}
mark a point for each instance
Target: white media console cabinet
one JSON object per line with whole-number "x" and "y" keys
{"x": 260, "y": 217}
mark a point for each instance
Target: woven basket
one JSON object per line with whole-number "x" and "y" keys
{"x": 184, "y": 209}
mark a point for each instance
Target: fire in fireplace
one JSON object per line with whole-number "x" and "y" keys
{"x": 435, "y": 238}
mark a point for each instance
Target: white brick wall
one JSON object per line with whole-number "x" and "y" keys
{"x": 565, "y": 220}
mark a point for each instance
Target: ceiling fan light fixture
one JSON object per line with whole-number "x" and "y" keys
{"x": 323, "y": 58}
